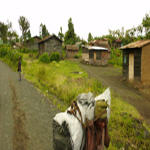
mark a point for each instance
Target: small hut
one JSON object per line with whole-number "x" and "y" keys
{"x": 50, "y": 44}
{"x": 95, "y": 55}
{"x": 32, "y": 44}
{"x": 97, "y": 52}
{"x": 72, "y": 50}
{"x": 136, "y": 61}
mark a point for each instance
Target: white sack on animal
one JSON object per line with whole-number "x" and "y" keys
{"x": 86, "y": 104}
{"x": 107, "y": 97}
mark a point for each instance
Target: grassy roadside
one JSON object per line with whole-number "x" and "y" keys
{"x": 64, "y": 80}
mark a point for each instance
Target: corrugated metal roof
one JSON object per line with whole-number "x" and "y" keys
{"x": 101, "y": 43}
{"x": 137, "y": 44}
{"x": 99, "y": 48}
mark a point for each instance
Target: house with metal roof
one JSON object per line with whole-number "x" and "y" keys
{"x": 95, "y": 55}
{"x": 50, "y": 44}
{"x": 136, "y": 61}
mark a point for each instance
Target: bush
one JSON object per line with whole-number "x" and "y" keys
{"x": 116, "y": 57}
{"x": 44, "y": 58}
{"x": 9, "y": 53}
{"x": 55, "y": 56}
{"x": 77, "y": 55}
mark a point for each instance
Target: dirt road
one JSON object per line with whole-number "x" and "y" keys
{"x": 112, "y": 77}
{"x": 25, "y": 115}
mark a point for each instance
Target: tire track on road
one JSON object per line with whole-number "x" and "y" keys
{"x": 20, "y": 136}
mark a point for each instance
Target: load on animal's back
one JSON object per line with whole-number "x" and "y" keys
{"x": 83, "y": 126}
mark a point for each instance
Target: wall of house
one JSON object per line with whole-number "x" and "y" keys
{"x": 102, "y": 57}
{"x": 125, "y": 63}
{"x": 145, "y": 65}
{"x": 137, "y": 63}
{"x": 41, "y": 48}
{"x": 85, "y": 54}
{"x": 71, "y": 53}
{"x": 53, "y": 45}
{"x": 32, "y": 45}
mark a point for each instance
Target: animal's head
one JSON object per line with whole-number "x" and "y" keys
{"x": 86, "y": 103}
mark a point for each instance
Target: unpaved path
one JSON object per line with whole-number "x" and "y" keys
{"x": 25, "y": 114}
{"x": 112, "y": 77}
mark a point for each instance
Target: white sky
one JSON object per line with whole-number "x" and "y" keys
{"x": 95, "y": 16}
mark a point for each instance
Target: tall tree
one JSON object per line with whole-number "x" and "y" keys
{"x": 146, "y": 25}
{"x": 3, "y": 32}
{"x": 90, "y": 37}
{"x": 24, "y": 27}
{"x": 70, "y": 36}
{"x": 43, "y": 31}
{"x": 60, "y": 34}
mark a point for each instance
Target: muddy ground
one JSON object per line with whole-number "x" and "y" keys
{"x": 112, "y": 77}
{"x": 25, "y": 114}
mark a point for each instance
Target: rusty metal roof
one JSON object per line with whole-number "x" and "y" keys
{"x": 102, "y": 43}
{"x": 137, "y": 44}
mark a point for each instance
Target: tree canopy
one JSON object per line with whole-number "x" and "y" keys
{"x": 70, "y": 36}
{"x": 43, "y": 31}
{"x": 90, "y": 37}
{"x": 25, "y": 28}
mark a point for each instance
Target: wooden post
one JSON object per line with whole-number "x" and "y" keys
{"x": 131, "y": 66}
{"x": 94, "y": 56}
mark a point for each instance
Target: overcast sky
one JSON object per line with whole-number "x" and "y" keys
{"x": 95, "y": 16}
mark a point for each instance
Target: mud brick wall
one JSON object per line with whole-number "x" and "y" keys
{"x": 145, "y": 67}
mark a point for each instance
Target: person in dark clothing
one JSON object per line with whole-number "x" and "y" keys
{"x": 19, "y": 68}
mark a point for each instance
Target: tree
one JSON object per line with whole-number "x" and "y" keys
{"x": 3, "y": 32}
{"x": 43, "y": 31}
{"x": 70, "y": 36}
{"x": 90, "y": 37}
{"x": 60, "y": 34}
{"x": 146, "y": 25}
{"x": 24, "y": 27}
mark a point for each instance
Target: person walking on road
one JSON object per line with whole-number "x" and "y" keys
{"x": 19, "y": 68}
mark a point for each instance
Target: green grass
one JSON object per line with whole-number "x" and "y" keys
{"x": 63, "y": 81}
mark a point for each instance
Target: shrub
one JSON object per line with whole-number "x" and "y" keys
{"x": 77, "y": 55}
{"x": 116, "y": 57}
{"x": 9, "y": 53}
{"x": 44, "y": 58}
{"x": 55, "y": 56}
